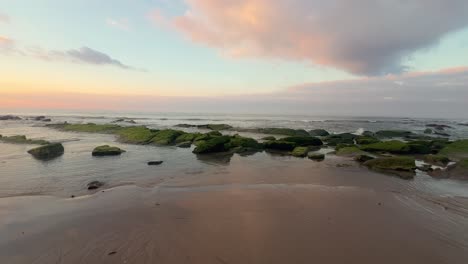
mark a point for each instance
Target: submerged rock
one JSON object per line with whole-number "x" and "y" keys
{"x": 95, "y": 185}
{"x": 393, "y": 133}
{"x": 300, "y": 152}
{"x": 47, "y": 152}
{"x": 316, "y": 156}
{"x": 404, "y": 167}
{"x": 107, "y": 150}
{"x": 319, "y": 133}
{"x": 155, "y": 163}
{"x": 186, "y": 144}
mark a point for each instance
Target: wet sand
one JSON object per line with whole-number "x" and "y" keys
{"x": 242, "y": 216}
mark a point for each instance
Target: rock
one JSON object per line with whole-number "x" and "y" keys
{"x": 215, "y": 127}
{"x": 155, "y": 163}
{"x": 107, "y": 150}
{"x": 343, "y": 138}
{"x": 404, "y": 167}
{"x": 368, "y": 134}
{"x": 214, "y": 134}
{"x": 135, "y": 135}
{"x": 425, "y": 168}
{"x": 186, "y": 144}
{"x": 318, "y": 133}
{"x": 349, "y": 151}
{"x": 365, "y": 140}
{"x": 392, "y": 146}
{"x": 88, "y": 128}
{"x": 316, "y": 156}
{"x": 363, "y": 158}
{"x": 304, "y": 141}
{"x": 95, "y": 185}
{"x": 269, "y": 138}
{"x": 393, "y": 133}
{"x": 459, "y": 171}
{"x": 47, "y": 152}
{"x": 216, "y": 144}
{"x": 420, "y": 147}
{"x": 438, "y": 126}
{"x": 244, "y": 142}
{"x": 300, "y": 152}
{"x": 441, "y": 134}
{"x": 428, "y": 131}
{"x": 456, "y": 150}
{"x": 438, "y": 160}
{"x": 187, "y": 137}
{"x": 462, "y": 124}
{"x": 283, "y": 131}
{"x": 46, "y": 120}
{"x": 21, "y": 139}
{"x": 10, "y": 117}
{"x": 39, "y": 118}
{"x": 166, "y": 137}
{"x": 279, "y": 145}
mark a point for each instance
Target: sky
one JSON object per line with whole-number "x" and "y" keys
{"x": 334, "y": 57}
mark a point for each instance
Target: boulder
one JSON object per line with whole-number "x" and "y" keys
{"x": 47, "y": 152}
{"x": 349, "y": 151}
{"x": 94, "y": 185}
{"x": 135, "y": 135}
{"x": 215, "y": 144}
{"x": 404, "y": 167}
{"x": 392, "y": 146}
{"x": 283, "y": 131}
{"x": 316, "y": 156}
{"x": 319, "y": 133}
{"x": 456, "y": 150}
{"x": 393, "y": 133}
{"x": 304, "y": 141}
{"x": 107, "y": 150}
{"x": 343, "y": 138}
{"x": 244, "y": 142}
{"x": 187, "y": 137}
{"x": 166, "y": 137}
{"x": 279, "y": 145}
{"x": 300, "y": 152}
{"x": 365, "y": 140}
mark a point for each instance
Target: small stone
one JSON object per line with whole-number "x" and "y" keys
{"x": 155, "y": 163}
{"x": 95, "y": 185}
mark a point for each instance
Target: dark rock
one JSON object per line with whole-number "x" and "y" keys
{"x": 403, "y": 167}
{"x": 216, "y": 144}
{"x": 363, "y": 158}
{"x": 319, "y": 133}
{"x": 47, "y": 152}
{"x": 343, "y": 138}
{"x": 300, "y": 152}
{"x": 393, "y": 133}
{"x": 428, "y": 131}
{"x": 107, "y": 150}
{"x": 10, "y": 117}
{"x": 46, "y": 120}
{"x": 95, "y": 185}
{"x": 316, "y": 156}
{"x": 186, "y": 144}
{"x": 155, "y": 163}
{"x": 438, "y": 126}
{"x": 39, "y": 118}
{"x": 279, "y": 145}
{"x": 304, "y": 141}
{"x": 368, "y": 134}
{"x": 269, "y": 138}
{"x": 364, "y": 140}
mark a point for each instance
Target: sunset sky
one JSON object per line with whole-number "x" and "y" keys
{"x": 361, "y": 57}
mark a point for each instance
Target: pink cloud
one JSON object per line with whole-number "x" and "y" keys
{"x": 363, "y": 37}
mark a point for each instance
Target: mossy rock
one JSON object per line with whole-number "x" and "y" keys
{"x": 283, "y": 131}
{"x": 363, "y": 158}
{"x": 244, "y": 142}
{"x": 316, "y": 156}
{"x": 349, "y": 151}
{"x": 135, "y": 135}
{"x": 216, "y": 127}
{"x": 21, "y": 139}
{"x": 47, "y": 152}
{"x": 186, "y": 144}
{"x": 368, "y": 134}
{"x": 107, "y": 150}
{"x": 88, "y": 128}
{"x": 214, "y": 134}
{"x": 304, "y": 141}
{"x": 438, "y": 160}
{"x": 279, "y": 145}
{"x": 215, "y": 144}
{"x": 459, "y": 171}
{"x": 187, "y": 137}
{"x": 456, "y": 150}
{"x": 420, "y": 147}
{"x": 166, "y": 137}
{"x": 269, "y": 138}
{"x": 343, "y": 138}
{"x": 393, "y": 146}
{"x": 319, "y": 133}
{"x": 393, "y": 133}
{"x": 365, "y": 140}
{"x": 300, "y": 152}
{"x": 404, "y": 167}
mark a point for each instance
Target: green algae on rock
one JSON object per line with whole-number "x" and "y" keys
{"x": 304, "y": 141}
{"x": 316, "y": 156}
{"x": 318, "y": 133}
{"x": 48, "y": 151}
{"x": 404, "y": 167}
{"x": 393, "y": 133}
{"x": 166, "y": 137}
{"x": 89, "y": 128}
{"x": 456, "y": 150}
{"x": 392, "y": 146}
{"x": 300, "y": 152}
{"x": 365, "y": 140}
{"x": 349, "y": 151}
{"x": 21, "y": 139}
{"x": 279, "y": 145}
{"x": 215, "y": 144}
{"x": 136, "y": 135}
{"x": 343, "y": 138}
{"x": 107, "y": 150}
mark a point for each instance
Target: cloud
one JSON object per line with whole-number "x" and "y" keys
{"x": 4, "y": 18}
{"x": 84, "y": 55}
{"x": 122, "y": 24}
{"x": 364, "y": 37}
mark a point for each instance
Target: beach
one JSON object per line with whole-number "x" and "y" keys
{"x": 260, "y": 208}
